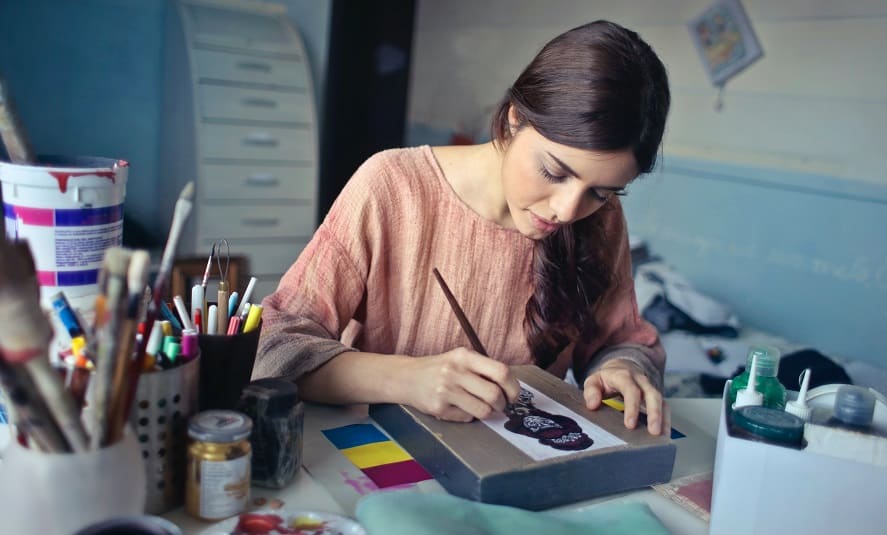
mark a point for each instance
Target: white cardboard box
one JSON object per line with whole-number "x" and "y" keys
{"x": 763, "y": 488}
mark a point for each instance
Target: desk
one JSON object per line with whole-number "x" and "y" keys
{"x": 696, "y": 418}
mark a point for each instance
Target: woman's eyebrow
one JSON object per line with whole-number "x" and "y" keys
{"x": 564, "y": 167}
{"x": 569, "y": 171}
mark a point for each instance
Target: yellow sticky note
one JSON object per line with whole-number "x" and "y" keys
{"x": 615, "y": 403}
{"x": 375, "y": 454}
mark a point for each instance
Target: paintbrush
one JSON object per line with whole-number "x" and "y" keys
{"x": 107, "y": 333}
{"x": 13, "y": 135}
{"x": 466, "y": 326}
{"x": 180, "y": 216}
{"x": 137, "y": 280}
{"x": 25, "y": 335}
{"x": 11, "y": 130}
{"x": 28, "y": 412}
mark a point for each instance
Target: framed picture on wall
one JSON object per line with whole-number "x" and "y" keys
{"x": 725, "y": 40}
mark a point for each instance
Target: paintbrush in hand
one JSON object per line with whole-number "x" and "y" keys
{"x": 466, "y": 325}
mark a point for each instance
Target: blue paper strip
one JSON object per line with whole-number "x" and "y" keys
{"x": 353, "y": 435}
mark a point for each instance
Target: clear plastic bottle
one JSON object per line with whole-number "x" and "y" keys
{"x": 766, "y": 382}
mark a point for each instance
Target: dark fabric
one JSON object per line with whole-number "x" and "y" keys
{"x": 666, "y": 317}
{"x": 823, "y": 371}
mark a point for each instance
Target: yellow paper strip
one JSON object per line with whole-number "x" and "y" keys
{"x": 615, "y": 403}
{"x": 377, "y": 453}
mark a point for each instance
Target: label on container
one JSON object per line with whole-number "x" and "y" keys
{"x": 68, "y": 244}
{"x": 224, "y": 487}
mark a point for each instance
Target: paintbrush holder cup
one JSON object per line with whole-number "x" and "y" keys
{"x": 59, "y": 493}
{"x": 227, "y": 367}
{"x": 164, "y": 402}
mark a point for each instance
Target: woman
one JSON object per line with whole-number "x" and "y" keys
{"x": 528, "y": 232}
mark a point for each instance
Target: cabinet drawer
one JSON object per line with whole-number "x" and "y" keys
{"x": 245, "y": 182}
{"x": 254, "y": 221}
{"x": 221, "y": 102}
{"x": 257, "y": 143}
{"x": 237, "y": 27}
{"x": 226, "y": 66}
{"x": 265, "y": 258}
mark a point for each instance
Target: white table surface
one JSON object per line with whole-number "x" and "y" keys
{"x": 696, "y": 418}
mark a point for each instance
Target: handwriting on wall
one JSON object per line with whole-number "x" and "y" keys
{"x": 868, "y": 272}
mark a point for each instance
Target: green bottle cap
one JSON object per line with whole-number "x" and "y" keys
{"x": 768, "y": 360}
{"x": 771, "y": 424}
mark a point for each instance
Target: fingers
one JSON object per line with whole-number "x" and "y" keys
{"x": 468, "y": 385}
{"x": 636, "y": 389}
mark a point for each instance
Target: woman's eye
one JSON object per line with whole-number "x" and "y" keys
{"x": 599, "y": 195}
{"x": 551, "y": 177}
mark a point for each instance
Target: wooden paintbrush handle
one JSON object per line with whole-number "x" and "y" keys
{"x": 460, "y": 315}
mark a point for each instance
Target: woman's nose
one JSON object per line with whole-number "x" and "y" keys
{"x": 567, "y": 205}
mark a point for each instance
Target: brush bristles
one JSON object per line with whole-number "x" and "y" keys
{"x": 187, "y": 192}
{"x": 137, "y": 277}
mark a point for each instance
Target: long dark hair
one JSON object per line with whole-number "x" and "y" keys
{"x": 596, "y": 87}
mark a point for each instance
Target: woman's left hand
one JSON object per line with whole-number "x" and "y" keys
{"x": 622, "y": 376}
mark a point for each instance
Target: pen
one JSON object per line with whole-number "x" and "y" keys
{"x": 197, "y": 306}
{"x": 183, "y": 312}
{"x": 247, "y": 295}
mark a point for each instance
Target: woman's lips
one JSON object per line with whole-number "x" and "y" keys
{"x": 543, "y": 225}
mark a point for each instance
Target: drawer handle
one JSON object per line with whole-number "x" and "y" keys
{"x": 262, "y": 179}
{"x": 260, "y": 221}
{"x": 259, "y": 102}
{"x": 260, "y": 139}
{"x": 254, "y": 66}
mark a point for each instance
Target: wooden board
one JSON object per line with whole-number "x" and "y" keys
{"x": 473, "y": 461}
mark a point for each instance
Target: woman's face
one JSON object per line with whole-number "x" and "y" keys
{"x": 547, "y": 184}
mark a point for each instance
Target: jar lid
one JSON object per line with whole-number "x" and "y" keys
{"x": 771, "y": 424}
{"x": 278, "y": 395}
{"x": 219, "y": 426}
{"x": 854, "y": 405}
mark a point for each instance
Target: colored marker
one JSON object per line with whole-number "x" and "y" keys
{"x": 252, "y": 320}
{"x": 232, "y": 304}
{"x": 212, "y": 317}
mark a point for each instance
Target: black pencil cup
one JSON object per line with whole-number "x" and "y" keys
{"x": 225, "y": 368}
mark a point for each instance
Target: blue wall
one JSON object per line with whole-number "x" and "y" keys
{"x": 86, "y": 77}
{"x": 799, "y": 255}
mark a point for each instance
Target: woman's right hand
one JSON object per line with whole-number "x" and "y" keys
{"x": 460, "y": 385}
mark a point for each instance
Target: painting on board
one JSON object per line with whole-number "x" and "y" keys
{"x": 726, "y": 42}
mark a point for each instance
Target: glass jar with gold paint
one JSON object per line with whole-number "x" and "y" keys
{"x": 218, "y": 469}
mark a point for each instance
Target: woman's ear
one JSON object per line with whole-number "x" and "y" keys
{"x": 513, "y": 119}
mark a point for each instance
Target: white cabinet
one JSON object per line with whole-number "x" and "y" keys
{"x": 239, "y": 120}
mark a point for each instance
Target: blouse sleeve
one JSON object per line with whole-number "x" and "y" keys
{"x": 623, "y": 333}
{"x": 304, "y": 318}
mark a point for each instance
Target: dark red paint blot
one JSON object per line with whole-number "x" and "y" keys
{"x": 63, "y": 177}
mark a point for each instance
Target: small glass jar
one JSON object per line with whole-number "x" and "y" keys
{"x": 218, "y": 469}
{"x": 278, "y": 416}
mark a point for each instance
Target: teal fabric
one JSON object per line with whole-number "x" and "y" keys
{"x": 407, "y": 512}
